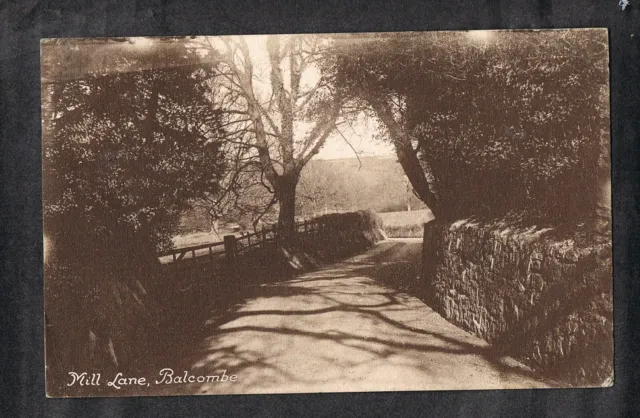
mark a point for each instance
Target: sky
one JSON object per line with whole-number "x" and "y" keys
{"x": 362, "y": 142}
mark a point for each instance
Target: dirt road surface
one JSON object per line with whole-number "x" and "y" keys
{"x": 346, "y": 328}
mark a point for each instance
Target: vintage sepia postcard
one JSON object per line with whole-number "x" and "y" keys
{"x": 327, "y": 213}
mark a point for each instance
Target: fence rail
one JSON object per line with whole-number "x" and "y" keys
{"x": 232, "y": 246}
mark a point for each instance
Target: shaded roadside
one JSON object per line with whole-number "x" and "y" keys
{"x": 345, "y": 327}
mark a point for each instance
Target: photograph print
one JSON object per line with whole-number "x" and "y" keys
{"x": 308, "y": 213}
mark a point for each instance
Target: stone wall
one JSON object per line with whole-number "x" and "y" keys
{"x": 535, "y": 294}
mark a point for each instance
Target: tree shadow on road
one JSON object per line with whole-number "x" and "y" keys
{"x": 344, "y": 323}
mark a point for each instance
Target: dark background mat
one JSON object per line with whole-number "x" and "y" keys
{"x": 22, "y": 24}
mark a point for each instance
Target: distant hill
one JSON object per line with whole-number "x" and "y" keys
{"x": 376, "y": 183}
{"x": 337, "y": 185}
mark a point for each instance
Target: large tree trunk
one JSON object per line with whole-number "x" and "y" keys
{"x": 416, "y": 175}
{"x": 407, "y": 158}
{"x": 286, "y": 195}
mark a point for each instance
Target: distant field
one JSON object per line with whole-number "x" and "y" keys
{"x": 405, "y": 224}
{"x": 406, "y": 217}
{"x": 195, "y": 238}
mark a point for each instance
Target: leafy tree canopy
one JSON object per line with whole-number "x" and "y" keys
{"x": 126, "y": 150}
{"x": 497, "y": 120}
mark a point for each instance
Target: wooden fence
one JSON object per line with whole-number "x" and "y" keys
{"x": 233, "y": 246}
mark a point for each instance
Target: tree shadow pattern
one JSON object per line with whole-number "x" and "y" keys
{"x": 346, "y": 327}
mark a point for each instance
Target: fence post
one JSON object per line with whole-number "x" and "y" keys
{"x": 230, "y": 248}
